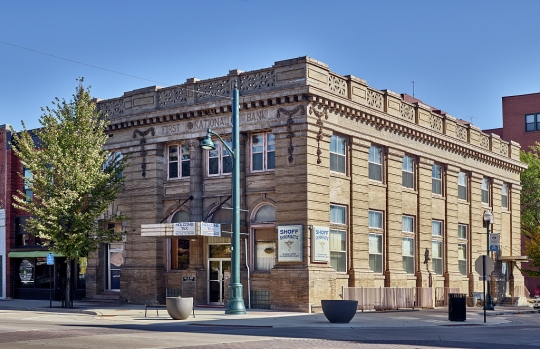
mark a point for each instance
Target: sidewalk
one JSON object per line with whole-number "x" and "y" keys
{"x": 267, "y": 318}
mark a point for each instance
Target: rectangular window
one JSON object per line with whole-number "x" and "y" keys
{"x": 436, "y": 179}
{"x": 263, "y": 152}
{"x": 436, "y": 228}
{"x": 504, "y": 196}
{"x": 375, "y": 163}
{"x": 219, "y": 160}
{"x": 462, "y": 258}
{"x": 338, "y": 250}
{"x": 28, "y": 191}
{"x": 337, "y": 214}
{"x": 462, "y": 231}
{"x": 462, "y": 186}
{"x": 436, "y": 259}
{"x": 179, "y": 164}
{"x": 375, "y": 253}
{"x": 179, "y": 254}
{"x": 407, "y": 172}
{"x": 407, "y": 223}
{"x": 485, "y": 190}
{"x": 375, "y": 219}
{"x": 532, "y": 122}
{"x": 265, "y": 249}
{"x": 408, "y": 255}
{"x": 337, "y": 154}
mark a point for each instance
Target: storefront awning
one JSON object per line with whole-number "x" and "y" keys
{"x": 514, "y": 258}
{"x": 32, "y": 254}
{"x": 184, "y": 229}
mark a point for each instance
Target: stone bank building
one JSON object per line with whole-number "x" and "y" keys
{"x": 399, "y": 188}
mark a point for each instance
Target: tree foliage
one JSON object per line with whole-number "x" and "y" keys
{"x": 530, "y": 207}
{"x": 74, "y": 180}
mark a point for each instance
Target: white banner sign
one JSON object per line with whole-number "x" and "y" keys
{"x": 210, "y": 229}
{"x": 494, "y": 240}
{"x": 185, "y": 228}
{"x": 320, "y": 244}
{"x": 290, "y": 243}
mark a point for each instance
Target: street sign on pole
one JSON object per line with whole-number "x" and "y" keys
{"x": 50, "y": 263}
{"x": 489, "y": 265}
{"x": 50, "y": 259}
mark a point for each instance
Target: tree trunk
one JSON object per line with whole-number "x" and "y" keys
{"x": 69, "y": 304}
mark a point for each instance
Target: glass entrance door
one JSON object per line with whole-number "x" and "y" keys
{"x": 219, "y": 271}
{"x": 114, "y": 266}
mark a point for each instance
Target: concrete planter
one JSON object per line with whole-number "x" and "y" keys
{"x": 179, "y": 308}
{"x": 338, "y": 311}
{"x": 471, "y": 301}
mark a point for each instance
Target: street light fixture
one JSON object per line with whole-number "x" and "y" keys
{"x": 488, "y": 219}
{"x": 235, "y": 302}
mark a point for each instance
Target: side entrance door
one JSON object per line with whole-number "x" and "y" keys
{"x": 218, "y": 272}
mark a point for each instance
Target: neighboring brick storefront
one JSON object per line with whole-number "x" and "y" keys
{"x": 380, "y": 172}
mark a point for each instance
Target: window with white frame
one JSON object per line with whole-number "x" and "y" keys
{"x": 436, "y": 179}
{"x": 407, "y": 172}
{"x": 375, "y": 159}
{"x": 504, "y": 196}
{"x": 265, "y": 238}
{"x": 375, "y": 221}
{"x": 28, "y": 180}
{"x": 436, "y": 259}
{"x": 337, "y": 154}
{"x": 219, "y": 160}
{"x": 408, "y": 244}
{"x": 462, "y": 248}
{"x": 263, "y": 152}
{"x": 462, "y": 186}
{"x": 179, "y": 161}
{"x": 338, "y": 238}
{"x": 485, "y": 190}
{"x": 375, "y": 253}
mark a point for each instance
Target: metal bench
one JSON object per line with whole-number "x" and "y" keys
{"x": 149, "y": 305}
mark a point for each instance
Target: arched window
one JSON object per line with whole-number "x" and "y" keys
{"x": 222, "y": 215}
{"x": 180, "y": 216}
{"x": 265, "y": 214}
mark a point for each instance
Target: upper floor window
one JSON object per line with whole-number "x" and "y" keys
{"x": 462, "y": 231}
{"x": 337, "y": 214}
{"x": 219, "y": 160}
{"x": 263, "y": 152}
{"x": 376, "y": 253}
{"x": 504, "y": 196}
{"x": 532, "y": 122}
{"x": 375, "y": 219}
{"x": 179, "y": 161}
{"x": 436, "y": 179}
{"x": 462, "y": 185}
{"x": 485, "y": 190}
{"x": 28, "y": 188}
{"x": 407, "y": 172}
{"x": 436, "y": 228}
{"x": 462, "y": 248}
{"x": 337, "y": 154}
{"x": 407, "y": 244}
{"x": 375, "y": 163}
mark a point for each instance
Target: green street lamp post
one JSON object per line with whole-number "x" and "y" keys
{"x": 488, "y": 218}
{"x": 235, "y": 303}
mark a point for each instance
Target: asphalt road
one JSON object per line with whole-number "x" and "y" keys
{"x": 44, "y": 330}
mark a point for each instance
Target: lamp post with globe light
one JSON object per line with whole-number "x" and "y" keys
{"x": 488, "y": 219}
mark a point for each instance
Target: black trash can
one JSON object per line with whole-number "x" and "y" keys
{"x": 457, "y": 307}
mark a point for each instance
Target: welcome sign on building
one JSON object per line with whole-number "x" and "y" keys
{"x": 290, "y": 243}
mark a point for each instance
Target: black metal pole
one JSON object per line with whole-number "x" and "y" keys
{"x": 484, "y": 283}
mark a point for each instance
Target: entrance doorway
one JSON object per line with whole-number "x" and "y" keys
{"x": 219, "y": 271}
{"x": 115, "y": 260}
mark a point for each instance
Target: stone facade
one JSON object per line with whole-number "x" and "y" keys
{"x": 303, "y": 105}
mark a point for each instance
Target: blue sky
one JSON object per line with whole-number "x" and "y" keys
{"x": 463, "y": 55}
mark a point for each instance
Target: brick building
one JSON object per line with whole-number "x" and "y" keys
{"x": 391, "y": 180}
{"x": 24, "y": 272}
{"x": 521, "y": 123}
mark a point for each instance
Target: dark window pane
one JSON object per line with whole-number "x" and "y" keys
{"x": 338, "y": 261}
{"x": 408, "y": 180}
{"x": 183, "y": 254}
{"x": 186, "y": 168}
{"x": 271, "y": 160}
{"x": 436, "y": 186}
{"x": 213, "y": 166}
{"x": 408, "y": 264}
{"x": 462, "y": 193}
{"x": 257, "y": 161}
{"x": 375, "y": 172}
{"x": 173, "y": 170}
{"x": 227, "y": 164}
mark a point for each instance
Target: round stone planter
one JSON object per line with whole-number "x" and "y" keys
{"x": 339, "y": 311}
{"x": 471, "y": 301}
{"x": 179, "y": 308}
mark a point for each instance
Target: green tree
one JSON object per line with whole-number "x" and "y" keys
{"x": 73, "y": 179}
{"x": 530, "y": 207}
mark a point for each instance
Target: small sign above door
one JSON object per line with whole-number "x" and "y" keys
{"x": 188, "y": 278}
